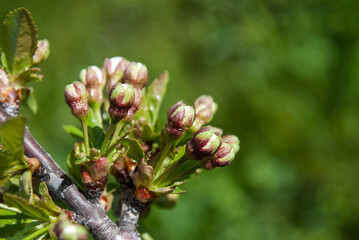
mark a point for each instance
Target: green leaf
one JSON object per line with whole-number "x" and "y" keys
{"x": 12, "y": 136}
{"x": 11, "y": 221}
{"x": 45, "y": 201}
{"x": 27, "y": 208}
{"x": 155, "y": 94}
{"x": 82, "y": 160}
{"x": 75, "y": 132}
{"x": 38, "y": 232}
{"x": 95, "y": 131}
{"x": 26, "y": 191}
{"x": 28, "y": 75}
{"x": 134, "y": 149}
{"x": 18, "y": 40}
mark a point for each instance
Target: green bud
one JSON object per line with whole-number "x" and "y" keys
{"x": 179, "y": 118}
{"x": 76, "y": 97}
{"x": 94, "y": 80}
{"x": 66, "y": 230}
{"x": 42, "y": 51}
{"x": 122, "y": 98}
{"x": 136, "y": 75}
{"x": 114, "y": 69}
{"x": 205, "y": 108}
{"x": 233, "y": 140}
{"x": 205, "y": 142}
{"x": 224, "y": 156}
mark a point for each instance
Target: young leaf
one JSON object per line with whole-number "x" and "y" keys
{"x": 28, "y": 75}
{"x": 12, "y": 136}
{"x": 26, "y": 191}
{"x": 96, "y": 134}
{"x": 155, "y": 95}
{"x": 27, "y": 208}
{"x": 134, "y": 149}
{"x": 18, "y": 43}
{"x": 45, "y": 201}
{"x": 29, "y": 101}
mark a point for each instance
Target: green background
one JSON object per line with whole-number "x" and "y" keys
{"x": 285, "y": 76}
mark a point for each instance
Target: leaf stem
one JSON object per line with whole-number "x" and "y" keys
{"x": 163, "y": 156}
{"x": 118, "y": 129}
{"x": 86, "y": 137}
{"x": 172, "y": 167}
{"x": 105, "y": 143}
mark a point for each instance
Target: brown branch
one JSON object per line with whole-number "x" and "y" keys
{"x": 92, "y": 216}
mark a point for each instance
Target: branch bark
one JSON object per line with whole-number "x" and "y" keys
{"x": 92, "y": 216}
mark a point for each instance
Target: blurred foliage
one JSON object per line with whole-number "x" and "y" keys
{"x": 285, "y": 76}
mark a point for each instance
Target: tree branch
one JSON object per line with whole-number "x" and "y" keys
{"x": 92, "y": 216}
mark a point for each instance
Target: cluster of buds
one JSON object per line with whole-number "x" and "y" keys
{"x": 208, "y": 146}
{"x": 180, "y": 117}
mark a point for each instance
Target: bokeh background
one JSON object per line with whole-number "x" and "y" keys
{"x": 285, "y": 75}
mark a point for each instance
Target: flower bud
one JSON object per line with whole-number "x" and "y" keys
{"x": 94, "y": 80}
{"x": 205, "y": 109}
{"x": 76, "y": 97}
{"x": 179, "y": 118}
{"x": 233, "y": 140}
{"x": 135, "y": 106}
{"x": 10, "y": 101}
{"x": 136, "y": 75}
{"x": 94, "y": 175}
{"x": 42, "y": 51}
{"x": 224, "y": 156}
{"x": 114, "y": 69}
{"x": 205, "y": 142}
{"x": 66, "y": 230}
{"x": 122, "y": 98}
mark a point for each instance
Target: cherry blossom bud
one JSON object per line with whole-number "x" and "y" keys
{"x": 66, "y": 230}
{"x": 42, "y": 51}
{"x": 205, "y": 108}
{"x": 122, "y": 98}
{"x": 233, "y": 140}
{"x": 94, "y": 175}
{"x": 179, "y": 118}
{"x": 136, "y": 75}
{"x": 114, "y": 69}
{"x": 224, "y": 156}
{"x": 76, "y": 97}
{"x": 136, "y": 105}
{"x": 94, "y": 80}
{"x": 205, "y": 142}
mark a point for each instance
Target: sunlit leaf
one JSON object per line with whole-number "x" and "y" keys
{"x": 18, "y": 40}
